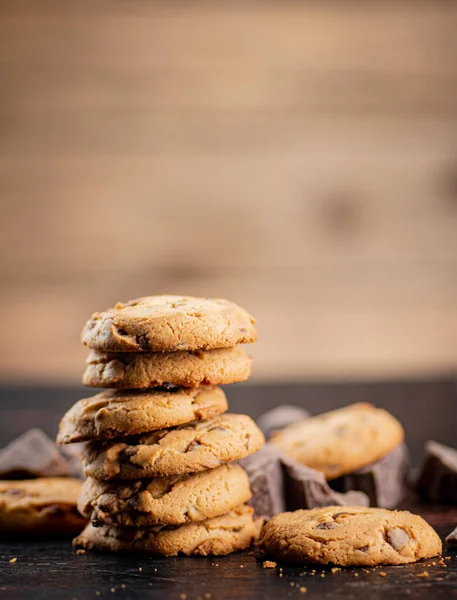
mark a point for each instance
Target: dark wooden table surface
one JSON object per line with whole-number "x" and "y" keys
{"x": 50, "y": 569}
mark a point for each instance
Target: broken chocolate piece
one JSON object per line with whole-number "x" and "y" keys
{"x": 280, "y": 417}
{"x": 167, "y": 387}
{"x": 308, "y": 488}
{"x": 384, "y": 481}
{"x": 73, "y": 455}
{"x": 31, "y": 455}
{"x": 437, "y": 481}
{"x": 266, "y": 480}
{"x": 451, "y": 539}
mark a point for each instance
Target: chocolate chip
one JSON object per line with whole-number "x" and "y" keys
{"x": 130, "y": 451}
{"x": 167, "y": 387}
{"x": 342, "y": 514}
{"x": 363, "y": 549}
{"x": 143, "y": 342}
{"x": 14, "y": 493}
{"x": 193, "y": 444}
{"x": 326, "y": 525}
{"x": 122, "y": 332}
{"x": 396, "y": 537}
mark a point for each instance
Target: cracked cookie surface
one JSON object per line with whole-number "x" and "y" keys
{"x": 187, "y": 449}
{"x": 131, "y": 370}
{"x": 165, "y": 500}
{"x": 45, "y": 505}
{"x": 168, "y": 324}
{"x": 341, "y": 441}
{"x": 117, "y": 413}
{"x": 350, "y": 535}
{"x": 236, "y": 530}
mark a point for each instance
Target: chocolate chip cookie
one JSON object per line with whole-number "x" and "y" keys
{"x": 40, "y": 506}
{"x": 132, "y": 370}
{"x": 341, "y": 441}
{"x": 116, "y": 413}
{"x": 169, "y": 324}
{"x": 236, "y": 530}
{"x": 166, "y": 500}
{"x": 347, "y": 536}
{"x": 186, "y": 449}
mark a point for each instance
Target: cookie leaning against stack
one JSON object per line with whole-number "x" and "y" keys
{"x": 160, "y": 450}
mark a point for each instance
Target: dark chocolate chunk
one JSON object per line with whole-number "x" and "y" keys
{"x": 31, "y": 455}
{"x": 437, "y": 481}
{"x": 451, "y": 539}
{"x": 280, "y": 417}
{"x": 72, "y": 454}
{"x": 326, "y": 525}
{"x": 308, "y": 488}
{"x": 384, "y": 481}
{"x": 266, "y": 479}
{"x": 167, "y": 387}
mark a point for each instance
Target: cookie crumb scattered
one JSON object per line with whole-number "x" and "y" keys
{"x": 113, "y": 590}
{"x": 241, "y": 566}
{"x": 208, "y": 595}
{"x": 140, "y": 568}
{"x": 123, "y": 586}
{"x": 269, "y": 564}
{"x": 356, "y": 574}
{"x": 423, "y": 574}
{"x": 183, "y": 596}
{"x": 13, "y": 560}
{"x": 80, "y": 551}
{"x": 335, "y": 569}
{"x": 382, "y": 574}
{"x": 303, "y": 590}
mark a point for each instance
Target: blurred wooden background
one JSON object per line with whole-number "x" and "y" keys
{"x": 298, "y": 158}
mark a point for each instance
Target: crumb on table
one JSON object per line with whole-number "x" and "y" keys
{"x": 269, "y": 564}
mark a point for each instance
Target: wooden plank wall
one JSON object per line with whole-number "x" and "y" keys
{"x": 299, "y": 158}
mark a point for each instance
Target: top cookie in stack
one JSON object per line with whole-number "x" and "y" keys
{"x": 168, "y": 339}
{"x": 161, "y": 450}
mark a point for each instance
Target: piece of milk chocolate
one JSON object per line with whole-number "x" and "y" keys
{"x": 266, "y": 480}
{"x": 308, "y": 488}
{"x": 384, "y": 481}
{"x": 437, "y": 480}
{"x": 280, "y": 417}
{"x": 34, "y": 454}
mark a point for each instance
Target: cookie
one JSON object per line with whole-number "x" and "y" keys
{"x": 169, "y": 324}
{"x": 349, "y": 536}
{"x": 187, "y": 449}
{"x": 341, "y": 441}
{"x": 131, "y": 370}
{"x": 166, "y": 500}
{"x": 116, "y": 413}
{"x": 437, "y": 481}
{"x": 236, "y": 530}
{"x": 40, "y": 506}
{"x": 384, "y": 481}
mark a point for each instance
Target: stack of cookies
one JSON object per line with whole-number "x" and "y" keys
{"x": 159, "y": 453}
